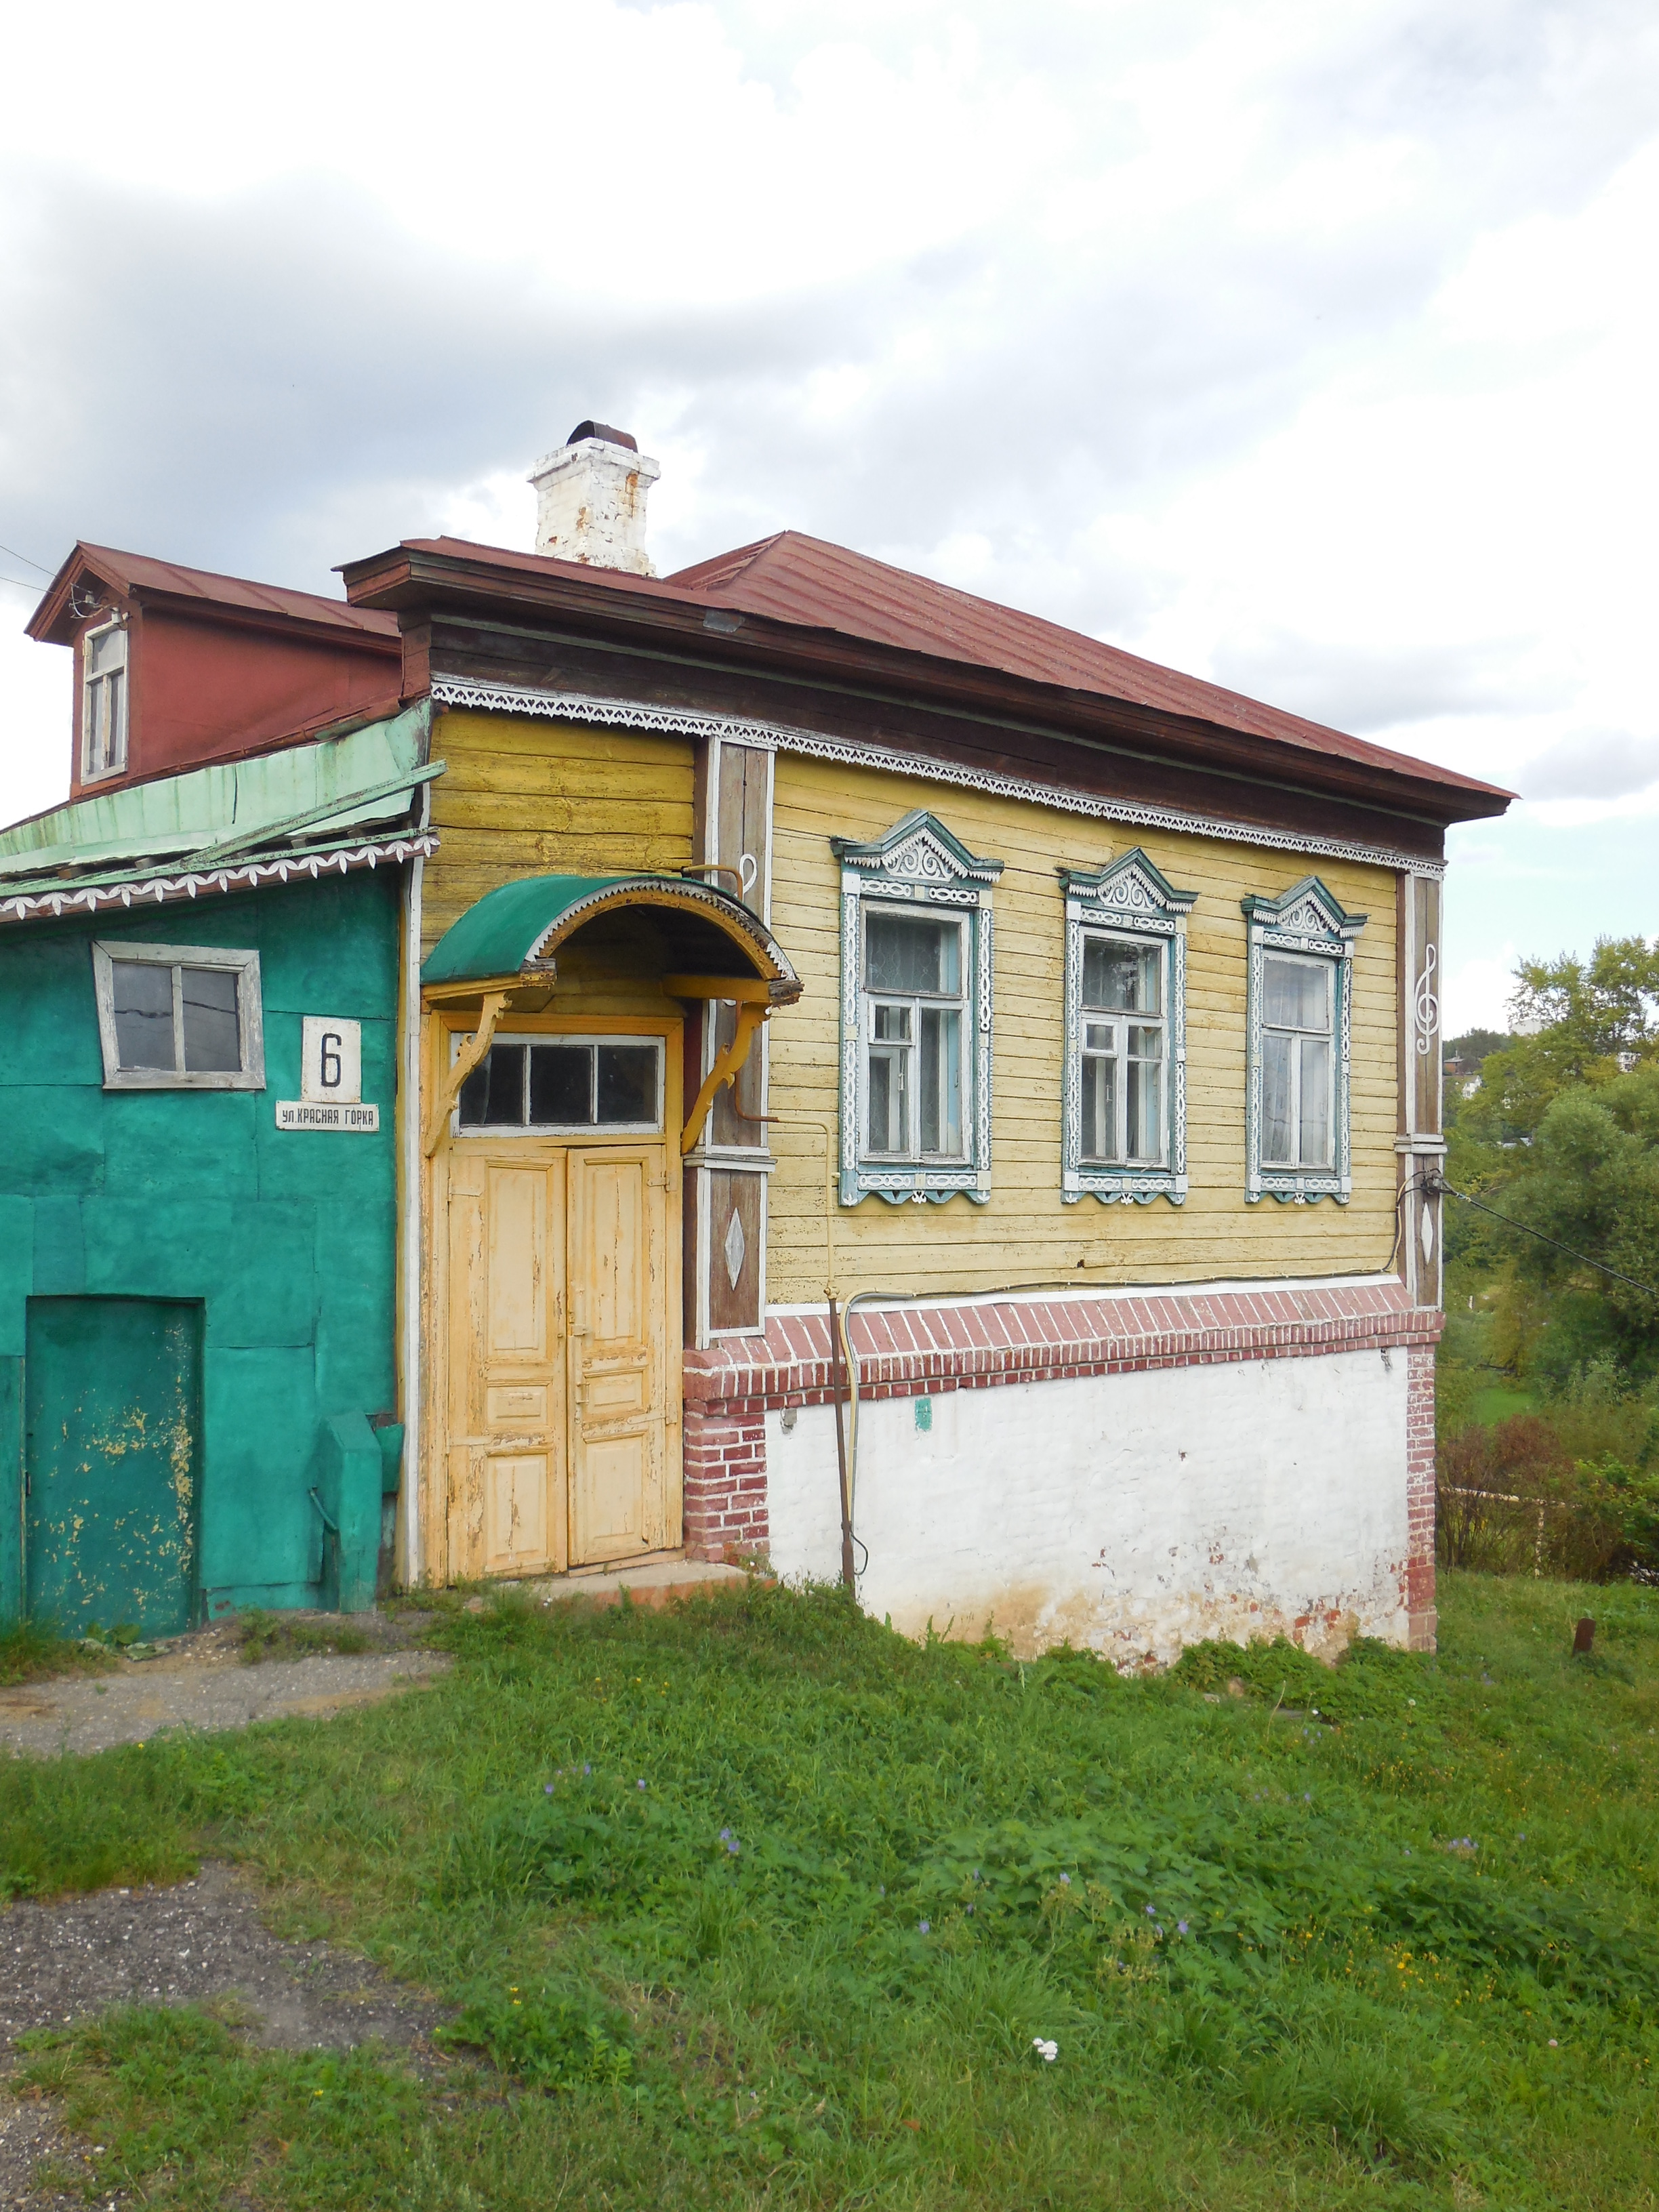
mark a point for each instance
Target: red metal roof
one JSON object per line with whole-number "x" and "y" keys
{"x": 796, "y": 578}
{"x": 808, "y": 584}
{"x": 130, "y": 572}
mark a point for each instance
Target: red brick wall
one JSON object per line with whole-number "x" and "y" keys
{"x": 725, "y": 1473}
{"x": 1419, "y": 1495}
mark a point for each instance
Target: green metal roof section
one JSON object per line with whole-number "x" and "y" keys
{"x": 518, "y": 922}
{"x": 313, "y": 793}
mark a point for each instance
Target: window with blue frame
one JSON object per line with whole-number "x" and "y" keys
{"x": 916, "y": 989}
{"x": 1298, "y": 1012}
{"x": 1124, "y": 1096}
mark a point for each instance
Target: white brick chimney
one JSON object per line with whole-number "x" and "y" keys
{"x": 590, "y": 500}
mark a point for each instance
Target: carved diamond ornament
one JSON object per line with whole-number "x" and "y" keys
{"x": 735, "y": 1248}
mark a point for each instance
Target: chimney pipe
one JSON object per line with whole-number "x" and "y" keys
{"x": 590, "y": 500}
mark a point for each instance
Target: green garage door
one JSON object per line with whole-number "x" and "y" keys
{"x": 114, "y": 1459}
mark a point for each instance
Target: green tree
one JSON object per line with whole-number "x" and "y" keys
{"x": 1583, "y": 1023}
{"x": 1589, "y": 1180}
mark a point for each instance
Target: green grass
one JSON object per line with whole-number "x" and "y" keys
{"x": 30, "y": 1653}
{"x": 1499, "y": 1401}
{"x": 1419, "y": 1964}
{"x": 280, "y": 1636}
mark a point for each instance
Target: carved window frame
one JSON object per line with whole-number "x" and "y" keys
{"x": 919, "y": 864}
{"x": 1308, "y": 919}
{"x": 1131, "y": 901}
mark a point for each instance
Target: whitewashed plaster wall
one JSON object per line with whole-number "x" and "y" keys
{"x": 1129, "y": 1513}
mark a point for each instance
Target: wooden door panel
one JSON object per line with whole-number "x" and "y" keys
{"x": 516, "y": 1405}
{"x": 515, "y": 1512}
{"x": 517, "y": 1326}
{"x": 613, "y": 1485}
{"x": 619, "y": 1362}
{"x": 508, "y": 1509}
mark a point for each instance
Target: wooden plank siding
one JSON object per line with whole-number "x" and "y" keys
{"x": 524, "y": 796}
{"x": 1025, "y": 1234}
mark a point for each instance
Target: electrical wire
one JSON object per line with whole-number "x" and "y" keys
{"x": 25, "y": 559}
{"x": 1440, "y": 1185}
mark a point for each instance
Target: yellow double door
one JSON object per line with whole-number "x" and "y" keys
{"x": 561, "y": 1296}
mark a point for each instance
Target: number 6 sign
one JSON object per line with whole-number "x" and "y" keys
{"x": 331, "y": 1061}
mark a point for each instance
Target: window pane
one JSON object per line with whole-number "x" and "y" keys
{"x": 903, "y": 952}
{"x": 1099, "y": 1036}
{"x": 1121, "y": 977}
{"x": 143, "y": 1014}
{"x": 107, "y": 651}
{"x": 1144, "y": 1080}
{"x": 560, "y": 1084}
{"x": 114, "y": 718}
{"x": 492, "y": 1097}
{"x": 628, "y": 1083}
{"x": 1297, "y": 994}
{"x": 1099, "y": 1108}
{"x": 891, "y": 1025}
{"x": 1276, "y": 1100}
{"x": 888, "y": 1101}
{"x": 475, "y": 1092}
{"x": 1316, "y": 1119}
{"x": 213, "y": 1043}
{"x": 941, "y": 1081}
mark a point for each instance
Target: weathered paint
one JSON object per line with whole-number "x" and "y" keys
{"x": 286, "y": 1237}
{"x": 112, "y": 1451}
{"x": 1127, "y": 1513}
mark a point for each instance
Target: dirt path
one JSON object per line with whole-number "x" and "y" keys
{"x": 201, "y": 1940}
{"x": 79, "y": 1713}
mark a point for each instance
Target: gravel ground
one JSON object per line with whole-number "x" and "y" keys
{"x": 81, "y": 1713}
{"x": 199, "y": 1940}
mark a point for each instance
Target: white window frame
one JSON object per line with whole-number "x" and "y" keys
{"x": 914, "y": 1005}
{"x": 99, "y": 760}
{"x": 1327, "y": 1034}
{"x": 473, "y": 1133}
{"x": 919, "y": 866}
{"x": 1127, "y": 902}
{"x": 1308, "y": 922}
{"x": 250, "y": 1023}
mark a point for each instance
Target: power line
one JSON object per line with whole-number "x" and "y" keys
{"x": 25, "y": 559}
{"x": 1584, "y": 1259}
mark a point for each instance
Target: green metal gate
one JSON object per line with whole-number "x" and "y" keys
{"x": 113, "y": 1458}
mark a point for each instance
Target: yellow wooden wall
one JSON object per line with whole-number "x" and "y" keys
{"x": 524, "y": 796}
{"x": 1025, "y": 1234}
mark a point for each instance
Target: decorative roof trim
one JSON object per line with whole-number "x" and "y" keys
{"x": 777, "y": 737}
{"x": 246, "y": 875}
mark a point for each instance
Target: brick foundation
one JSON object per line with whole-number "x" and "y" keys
{"x": 724, "y": 1476}
{"x": 921, "y": 1351}
{"x": 1419, "y": 1496}
{"x": 927, "y": 1350}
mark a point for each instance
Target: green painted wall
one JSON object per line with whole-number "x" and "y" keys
{"x": 288, "y": 1236}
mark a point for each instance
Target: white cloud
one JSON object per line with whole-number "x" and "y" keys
{"x": 1306, "y": 347}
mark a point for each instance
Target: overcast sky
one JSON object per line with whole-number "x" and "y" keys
{"x": 1307, "y": 347}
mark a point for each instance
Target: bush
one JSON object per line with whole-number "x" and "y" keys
{"x": 1515, "y": 1500}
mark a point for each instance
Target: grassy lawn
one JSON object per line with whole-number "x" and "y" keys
{"x": 1500, "y": 1401}
{"x": 753, "y": 1904}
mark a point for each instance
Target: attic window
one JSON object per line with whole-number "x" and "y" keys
{"x": 180, "y": 1017}
{"x": 103, "y": 701}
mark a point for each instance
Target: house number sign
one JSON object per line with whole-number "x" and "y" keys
{"x": 330, "y": 1079}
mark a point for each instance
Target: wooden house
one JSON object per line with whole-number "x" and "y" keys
{"x": 794, "y": 935}
{"x": 1071, "y": 1022}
